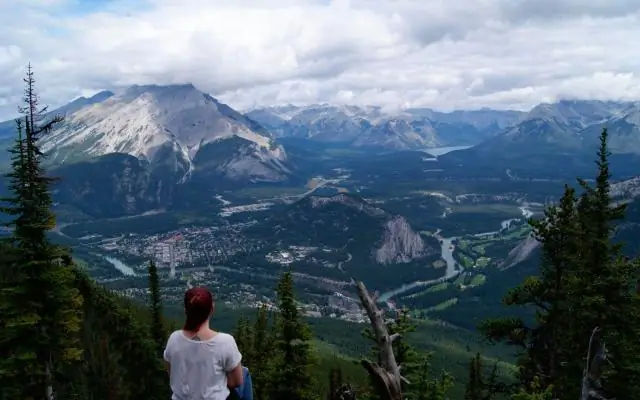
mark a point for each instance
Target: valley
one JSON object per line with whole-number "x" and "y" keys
{"x": 434, "y": 225}
{"x": 229, "y": 251}
{"x": 425, "y": 207}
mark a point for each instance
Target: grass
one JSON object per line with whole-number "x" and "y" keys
{"x": 482, "y": 262}
{"x": 444, "y": 305}
{"x": 437, "y": 288}
{"x": 478, "y": 280}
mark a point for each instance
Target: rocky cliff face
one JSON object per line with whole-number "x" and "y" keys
{"x": 520, "y": 253}
{"x": 400, "y": 244}
{"x": 397, "y": 243}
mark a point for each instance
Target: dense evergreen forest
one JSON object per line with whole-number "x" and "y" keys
{"x": 63, "y": 336}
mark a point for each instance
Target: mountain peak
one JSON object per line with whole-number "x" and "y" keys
{"x": 160, "y": 123}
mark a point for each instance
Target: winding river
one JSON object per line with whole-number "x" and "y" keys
{"x": 453, "y": 269}
{"x": 446, "y": 250}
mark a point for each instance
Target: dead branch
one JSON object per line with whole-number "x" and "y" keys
{"x": 386, "y": 372}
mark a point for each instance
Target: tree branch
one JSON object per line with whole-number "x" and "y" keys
{"x": 386, "y": 372}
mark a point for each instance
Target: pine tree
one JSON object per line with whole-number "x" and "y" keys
{"x": 478, "y": 386}
{"x": 427, "y": 387}
{"x": 335, "y": 383}
{"x": 293, "y": 372}
{"x": 475, "y": 386}
{"x": 158, "y": 332}
{"x": 243, "y": 335}
{"x": 263, "y": 355}
{"x": 584, "y": 283}
{"x": 41, "y": 308}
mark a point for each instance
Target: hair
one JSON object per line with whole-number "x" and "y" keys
{"x": 198, "y": 305}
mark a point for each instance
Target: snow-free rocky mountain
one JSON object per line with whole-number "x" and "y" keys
{"x": 346, "y": 218}
{"x": 148, "y": 147}
{"x": 176, "y": 125}
{"x": 374, "y": 127}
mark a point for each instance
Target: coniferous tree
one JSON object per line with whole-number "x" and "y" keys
{"x": 243, "y": 335}
{"x": 155, "y": 307}
{"x": 335, "y": 382}
{"x": 41, "y": 308}
{"x": 293, "y": 372}
{"x": 478, "y": 386}
{"x": 584, "y": 283}
{"x": 263, "y": 355}
{"x": 475, "y": 387}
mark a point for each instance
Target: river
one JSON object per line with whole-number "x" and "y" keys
{"x": 120, "y": 266}
{"x": 453, "y": 269}
{"x": 446, "y": 250}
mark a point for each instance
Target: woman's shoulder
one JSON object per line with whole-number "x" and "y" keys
{"x": 225, "y": 337}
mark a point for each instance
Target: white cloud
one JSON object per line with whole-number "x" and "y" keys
{"x": 433, "y": 53}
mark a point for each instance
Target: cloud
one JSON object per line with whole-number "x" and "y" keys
{"x": 417, "y": 53}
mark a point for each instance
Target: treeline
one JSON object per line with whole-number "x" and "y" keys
{"x": 64, "y": 337}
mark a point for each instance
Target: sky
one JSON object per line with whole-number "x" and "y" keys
{"x": 443, "y": 54}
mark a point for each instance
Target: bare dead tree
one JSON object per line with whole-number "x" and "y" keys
{"x": 386, "y": 371}
{"x": 597, "y": 355}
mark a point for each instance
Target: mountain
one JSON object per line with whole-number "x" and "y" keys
{"x": 174, "y": 124}
{"x": 623, "y": 129}
{"x": 7, "y": 128}
{"x": 144, "y": 147}
{"x": 558, "y": 125}
{"x": 361, "y": 235}
{"x": 374, "y": 127}
{"x": 558, "y": 139}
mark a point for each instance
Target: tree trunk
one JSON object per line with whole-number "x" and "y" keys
{"x": 386, "y": 372}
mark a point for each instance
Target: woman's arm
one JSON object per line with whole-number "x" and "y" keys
{"x": 233, "y": 366}
{"x": 234, "y": 377}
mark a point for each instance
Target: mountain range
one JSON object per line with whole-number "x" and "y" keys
{"x": 371, "y": 127}
{"x": 151, "y": 146}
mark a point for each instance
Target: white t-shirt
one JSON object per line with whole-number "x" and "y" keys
{"x": 199, "y": 368}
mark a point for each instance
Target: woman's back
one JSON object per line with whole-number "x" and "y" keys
{"x": 199, "y": 367}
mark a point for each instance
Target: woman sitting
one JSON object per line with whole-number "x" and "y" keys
{"x": 203, "y": 364}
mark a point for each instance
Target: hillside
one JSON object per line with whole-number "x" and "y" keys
{"x": 141, "y": 148}
{"x": 344, "y": 237}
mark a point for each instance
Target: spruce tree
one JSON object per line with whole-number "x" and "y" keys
{"x": 293, "y": 371}
{"x": 243, "y": 335}
{"x": 158, "y": 332}
{"x": 475, "y": 386}
{"x": 263, "y": 355}
{"x": 41, "y": 308}
{"x": 584, "y": 283}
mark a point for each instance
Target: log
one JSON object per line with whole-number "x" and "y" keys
{"x": 386, "y": 371}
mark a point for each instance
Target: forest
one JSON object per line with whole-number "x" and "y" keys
{"x": 63, "y": 336}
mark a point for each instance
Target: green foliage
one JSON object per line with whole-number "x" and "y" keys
{"x": 40, "y": 307}
{"x": 534, "y": 391}
{"x": 60, "y": 334}
{"x": 294, "y": 358}
{"x": 158, "y": 332}
{"x": 584, "y": 282}
{"x": 416, "y": 366}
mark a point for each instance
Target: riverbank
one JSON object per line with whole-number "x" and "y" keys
{"x": 453, "y": 267}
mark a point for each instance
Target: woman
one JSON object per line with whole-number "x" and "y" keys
{"x": 203, "y": 364}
